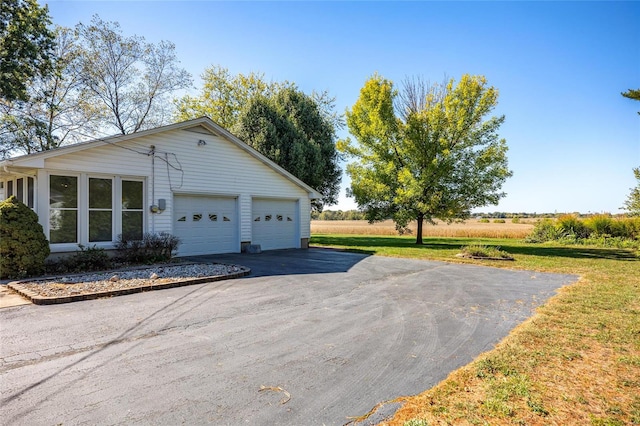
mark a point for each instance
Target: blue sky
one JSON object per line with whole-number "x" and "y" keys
{"x": 559, "y": 68}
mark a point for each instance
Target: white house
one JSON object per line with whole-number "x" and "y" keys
{"x": 192, "y": 179}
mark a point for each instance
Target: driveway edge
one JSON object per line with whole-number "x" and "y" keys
{"x": 49, "y": 300}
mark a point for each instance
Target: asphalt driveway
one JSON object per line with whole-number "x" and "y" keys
{"x": 328, "y": 333}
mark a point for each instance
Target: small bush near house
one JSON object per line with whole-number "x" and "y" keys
{"x": 23, "y": 245}
{"x": 86, "y": 259}
{"x": 152, "y": 248}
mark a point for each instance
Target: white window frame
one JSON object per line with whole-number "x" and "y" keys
{"x": 72, "y": 246}
{"x": 83, "y": 209}
{"x": 112, "y": 209}
{"x": 13, "y": 182}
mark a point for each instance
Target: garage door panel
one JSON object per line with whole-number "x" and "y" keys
{"x": 206, "y": 225}
{"x": 275, "y": 224}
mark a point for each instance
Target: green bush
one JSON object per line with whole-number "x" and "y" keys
{"x": 499, "y": 221}
{"x": 86, "y": 259}
{"x": 151, "y": 248}
{"x": 544, "y": 230}
{"x": 600, "y": 224}
{"x": 483, "y": 220}
{"x": 570, "y": 225}
{"x": 478, "y": 250}
{"x": 23, "y": 245}
{"x": 515, "y": 220}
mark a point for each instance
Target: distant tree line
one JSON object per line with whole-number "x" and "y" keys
{"x": 360, "y": 215}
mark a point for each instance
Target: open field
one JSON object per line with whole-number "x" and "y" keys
{"x": 575, "y": 362}
{"x": 470, "y": 228}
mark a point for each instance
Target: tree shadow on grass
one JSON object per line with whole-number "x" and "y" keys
{"x": 367, "y": 245}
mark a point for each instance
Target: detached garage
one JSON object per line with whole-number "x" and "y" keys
{"x": 192, "y": 179}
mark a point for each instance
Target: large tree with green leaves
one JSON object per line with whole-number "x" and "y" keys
{"x": 295, "y": 130}
{"x": 427, "y": 152}
{"x": 130, "y": 79}
{"x": 632, "y": 94}
{"x": 26, "y": 45}
{"x": 224, "y": 95}
{"x": 58, "y": 109}
{"x": 290, "y": 128}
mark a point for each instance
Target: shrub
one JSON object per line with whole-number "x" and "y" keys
{"x": 86, "y": 259}
{"x": 570, "y": 225}
{"x": 151, "y": 248}
{"x": 631, "y": 227}
{"x": 499, "y": 221}
{"x": 476, "y": 250}
{"x": 515, "y": 220}
{"x": 544, "y": 230}
{"x": 483, "y": 220}
{"x": 600, "y": 224}
{"x": 23, "y": 245}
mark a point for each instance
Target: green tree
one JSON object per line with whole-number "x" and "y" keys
{"x": 632, "y": 94}
{"x": 26, "y": 46}
{"x": 290, "y": 129}
{"x": 295, "y": 130}
{"x": 426, "y": 153}
{"x": 223, "y": 96}
{"x": 130, "y": 79}
{"x": 58, "y": 109}
{"x": 632, "y": 204}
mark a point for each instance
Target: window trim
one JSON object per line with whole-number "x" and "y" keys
{"x": 83, "y": 209}
{"x": 93, "y": 209}
{"x": 77, "y": 209}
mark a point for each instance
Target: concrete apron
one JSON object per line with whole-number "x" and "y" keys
{"x": 9, "y": 298}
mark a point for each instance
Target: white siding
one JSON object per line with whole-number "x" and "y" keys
{"x": 182, "y": 166}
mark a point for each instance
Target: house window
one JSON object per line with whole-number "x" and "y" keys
{"x": 100, "y": 210}
{"x": 63, "y": 209}
{"x": 20, "y": 189}
{"x": 30, "y": 192}
{"x": 23, "y": 190}
{"x": 132, "y": 209}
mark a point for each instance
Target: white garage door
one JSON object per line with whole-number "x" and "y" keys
{"x": 275, "y": 224}
{"x": 206, "y": 225}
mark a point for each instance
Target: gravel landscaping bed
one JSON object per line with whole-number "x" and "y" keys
{"x": 91, "y": 285}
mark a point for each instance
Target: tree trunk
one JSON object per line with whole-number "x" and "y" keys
{"x": 420, "y": 219}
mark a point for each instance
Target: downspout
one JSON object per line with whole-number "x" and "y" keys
{"x": 152, "y": 153}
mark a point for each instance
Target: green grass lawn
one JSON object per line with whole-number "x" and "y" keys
{"x": 575, "y": 362}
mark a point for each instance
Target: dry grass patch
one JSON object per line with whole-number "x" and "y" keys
{"x": 472, "y": 228}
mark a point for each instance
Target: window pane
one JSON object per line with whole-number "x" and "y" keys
{"x": 20, "y": 189}
{"x": 131, "y": 194}
{"x": 100, "y": 193}
{"x": 9, "y": 188}
{"x": 100, "y": 226}
{"x": 63, "y": 191}
{"x": 132, "y": 225}
{"x": 63, "y": 226}
{"x": 30, "y": 192}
